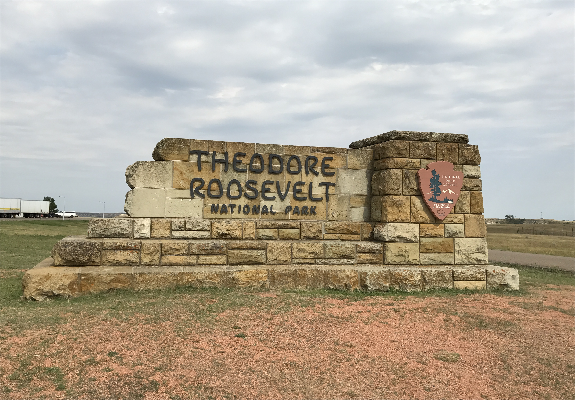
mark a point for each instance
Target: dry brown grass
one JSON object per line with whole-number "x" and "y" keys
{"x": 536, "y": 244}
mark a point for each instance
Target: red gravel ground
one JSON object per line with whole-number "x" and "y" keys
{"x": 289, "y": 346}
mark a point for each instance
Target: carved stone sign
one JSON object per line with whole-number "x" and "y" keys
{"x": 440, "y": 186}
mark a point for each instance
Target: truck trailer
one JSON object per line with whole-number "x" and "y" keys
{"x": 10, "y": 208}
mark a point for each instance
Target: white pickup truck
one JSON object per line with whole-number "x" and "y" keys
{"x": 67, "y": 214}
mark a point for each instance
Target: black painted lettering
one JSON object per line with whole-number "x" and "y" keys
{"x": 288, "y": 165}
{"x": 265, "y": 210}
{"x": 325, "y": 166}
{"x": 271, "y": 167}
{"x": 229, "y": 191}
{"x": 223, "y": 209}
{"x": 287, "y": 210}
{"x": 220, "y": 188}
{"x": 236, "y": 162}
{"x": 199, "y": 153}
{"x": 253, "y": 167}
{"x": 284, "y": 194}
{"x": 219, "y": 161}
{"x": 327, "y": 185}
{"x": 215, "y": 208}
{"x": 311, "y": 167}
{"x": 266, "y": 190}
{"x": 250, "y": 186}
{"x": 197, "y": 189}
{"x": 255, "y": 210}
{"x": 312, "y": 210}
{"x": 232, "y": 208}
{"x": 246, "y": 209}
{"x": 311, "y": 193}
{"x": 272, "y": 212}
{"x": 295, "y": 210}
{"x": 297, "y": 190}
{"x": 304, "y": 210}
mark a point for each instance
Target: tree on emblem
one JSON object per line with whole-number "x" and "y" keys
{"x": 434, "y": 185}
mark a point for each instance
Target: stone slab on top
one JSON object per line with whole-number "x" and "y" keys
{"x": 411, "y": 136}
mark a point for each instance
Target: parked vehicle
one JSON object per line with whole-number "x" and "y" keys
{"x": 10, "y": 208}
{"x": 67, "y": 214}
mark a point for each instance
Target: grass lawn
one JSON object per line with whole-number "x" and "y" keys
{"x": 213, "y": 343}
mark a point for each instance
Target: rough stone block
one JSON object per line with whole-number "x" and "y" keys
{"x": 470, "y": 251}
{"x": 340, "y": 236}
{"x": 436, "y": 245}
{"x": 101, "y": 279}
{"x": 179, "y": 260}
{"x": 184, "y": 172}
{"x": 279, "y": 253}
{"x": 179, "y": 204}
{"x": 303, "y": 260}
{"x": 252, "y": 278}
{"x": 436, "y": 258}
{"x": 307, "y": 250}
{"x": 387, "y": 181}
{"x": 278, "y": 224}
{"x": 410, "y": 182}
{"x": 120, "y": 257}
{"x": 462, "y": 206}
{"x": 76, "y": 251}
{"x": 142, "y": 228}
{"x": 249, "y": 231}
{"x": 358, "y": 214}
{"x": 353, "y": 181}
{"x": 227, "y": 229}
{"x": 341, "y": 279}
{"x": 194, "y": 224}
{"x": 448, "y": 152}
{"x": 406, "y": 279}
{"x": 340, "y": 250}
{"x": 175, "y": 248}
{"x": 396, "y": 232}
{"x": 267, "y": 234}
{"x": 419, "y": 211}
{"x": 369, "y": 258}
{"x": 395, "y": 208}
{"x": 213, "y": 259}
{"x": 476, "y": 202}
{"x": 357, "y": 201}
{"x": 475, "y": 226}
{"x": 351, "y": 228}
{"x": 366, "y": 231}
{"x": 471, "y": 171}
{"x": 431, "y": 230}
{"x": 178, "y": 224}
{"x": 172, "y": 149}
{"x": 452, "y": 219}
{"x": 191, "y": 234}
{"x": 42, "y": 282}
{"x": 121, "y": 244}
{"x": 247, "y": 245}
{"x": 149, "y": 174}
{"x": 376, "y": 204}
{"x": 502, "y": 278}
{"x": 359, "y": 158}
{"x": 469, "y": 285}
{"x": 244, "y": 257}
{"x": 437, "y": 278}
{"x": 391, "y": 149}
{"x": 401, "y": 253}
{"x": 338, "y": 207}
{"x": 145, "y": 203}
{"x": 471, "y": 184}
{"x": 369, "y": 247}
{"x": 397, "y": 163}
{"x": 469, "y": 154}
{"x": 311, "y": 230}
{"x": 375, "y": 280}
{"x": 288, "y": 234}
{"x": 160, "y": 228}
{"x": 150, "y": 253}
{"x": 469, "y": 274}
{"x": 110, "y": 228}
{"x": 454, "y": 230}
{"x": 425, "y": 150}
{"x": 208, "y": 247}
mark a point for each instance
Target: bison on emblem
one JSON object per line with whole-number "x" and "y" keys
{"x": 440, "y": 186}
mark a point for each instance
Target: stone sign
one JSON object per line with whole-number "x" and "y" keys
{"x": 401, "y": 210}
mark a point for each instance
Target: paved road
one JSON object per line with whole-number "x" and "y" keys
{"x": 537, "y": 260}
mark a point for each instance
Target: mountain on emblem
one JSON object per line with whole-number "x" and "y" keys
{"x": 440, "y": 186}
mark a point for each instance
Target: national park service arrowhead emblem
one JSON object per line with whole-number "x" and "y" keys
{"x": 440, "y": 186}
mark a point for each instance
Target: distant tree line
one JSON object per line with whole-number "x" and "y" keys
{"x": 510, "y": 219}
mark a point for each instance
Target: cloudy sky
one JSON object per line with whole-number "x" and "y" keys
{"x": 89, "y": 87}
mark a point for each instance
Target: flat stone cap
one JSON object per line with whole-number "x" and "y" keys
{"x": 410, "y": 135}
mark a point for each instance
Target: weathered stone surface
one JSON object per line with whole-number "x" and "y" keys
{"x": 366, "y": 231}
{"x": 150, "y": 253}
{"x": 452, "y": 219}
{"x": 160, "y": 228}
{"x": 406, "y": 279}
{"x": 350, "y": 228}
{"x": 341, "y": 279}
{"x": 436, "y": 258}
{"x": 175, "y": 248}
{"x": 353, "y": 181}
{"x": 178, "y": 224}
{"x": 244, "y": 257}
{"x": 149, "y": 174}
{"x": 101, "y": 279}
{"x": 469, "y": 285}
{"x": 279, "y": 224}
{"x": 145, "y": 203}
{"x": 387, "y": 181}
{"x": 476, "y": 202}
{"x": 448, "y": 152}
{"x": 249, "y": 231}
{"x": 338, "y": 207}
{"x": 502, "y": 278}
{"x": 267, "y": 234}
{"x": 376, "y": 279}
{"x": 376, "y": 204}
{"x": 179, "y": 260}
{"x": 251, "y": 278}
{"x": 470, "y": 251}
{"x": 227, "y": 229}
{"x": 410, "y": 183}
{"x": 77, "y": 250}
{"x": 172, "y": 149}
{"x": 437, "y": 278}
{"x": 431, "y": 230}
{"x": 469, "y": 154}
{"x": 121, "y": 244}
{"x": 471, "y": 184}
{"x": 110, "y": 228}
{"x": 142, "y": 228}
{"x": 397, "y": 163}
{"x": 213, "y": 259}
{"x": 391, "y": 149}
{"x": 436, "y": 245}
{"x": 191, "y": 234}
{"x": 475, "y": 226}
{"x": 120, "y": 257}
{"x": 395, "y": 208}
{"x": 410, "y": 135}
{"x": 194, "y": 224}
{"x": 369, "y": 258}
{"x": 307, "y": 250}
{"x": 247, "y": 245}
{"x": 340, "y": 250}
{"x": 369, "y": 247}
{"x": 454, "y": 230}
{"x": 425, "y": 150}
{"x": 419, "y": 211}
{"x": 179, "y": 204}
{"x": 472, "y": 171}
{"x": 45, "y": 281}
{"x": 360, "y": 159}
{"x": 207, "y": 247}
{"x": 401, "y": 253}
{"x": 396, "y": 232}
{"x": 469, "y": 274}
{"x": 279, "y": 253}
{"x": 340, "y": 236}
{"x": 462, "y": 206}
{"x": 288, "y": 234}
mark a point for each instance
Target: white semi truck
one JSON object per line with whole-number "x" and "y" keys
{"x": 10, "y": 208}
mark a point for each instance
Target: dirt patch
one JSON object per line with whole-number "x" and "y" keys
{"x": 481, "y": 346}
